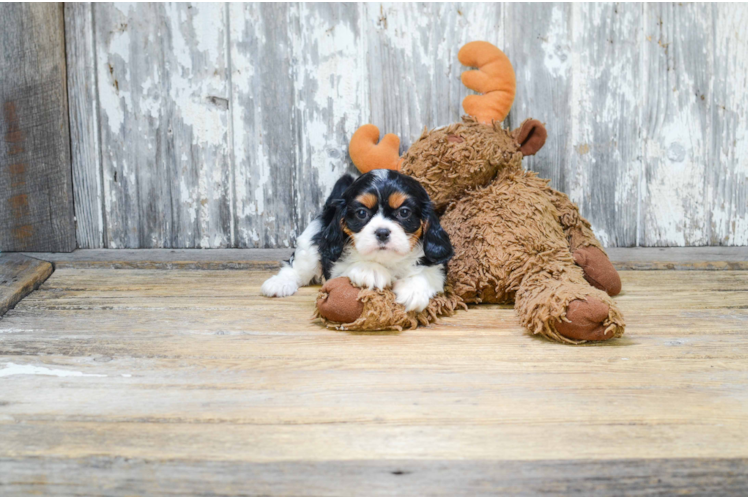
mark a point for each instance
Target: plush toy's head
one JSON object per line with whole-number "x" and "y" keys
{"x": 450, "y": 160}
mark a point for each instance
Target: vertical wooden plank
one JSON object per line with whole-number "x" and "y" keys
{"x": 263, "y": 115}
{"x": 539, "y": 42}
{"x": 678, "y": 70}
{"x": 83, "y": 102}
{"x": 164, "y": 95}
{"x": 414, "y": 74}
{"x": 728, "y": 170}
{"x": 330, "y": 99}
{"x": 602, "y": 176}
{"x": 36, "y": 200}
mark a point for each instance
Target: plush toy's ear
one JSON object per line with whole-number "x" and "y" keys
{"x": 367, "y": 155}
{"x": 530, "y": 136}
{"x": 436, "y": 245}
{"x": 494, "y": 78}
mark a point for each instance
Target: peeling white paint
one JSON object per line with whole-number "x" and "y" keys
{"x": 114, "y": 97}
{"x": 557, "y": 56}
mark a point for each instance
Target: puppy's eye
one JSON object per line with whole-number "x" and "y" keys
{"x": 403, "y": 213}
{"x": 362, "y": 214}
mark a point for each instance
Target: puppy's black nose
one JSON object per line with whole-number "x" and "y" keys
{"x": 382, "y": 234}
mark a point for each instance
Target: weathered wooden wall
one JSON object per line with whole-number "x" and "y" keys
{"x": 225, "y": 125}
{"x": 36, "y": 191}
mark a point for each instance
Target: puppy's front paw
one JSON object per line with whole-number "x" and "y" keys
{"x": 413, "y": 294}
{"x": 370, "y": 276}
{"x": 279, "y": 286}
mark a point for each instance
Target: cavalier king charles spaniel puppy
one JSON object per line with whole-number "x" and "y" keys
{"x": 379, "y": 230}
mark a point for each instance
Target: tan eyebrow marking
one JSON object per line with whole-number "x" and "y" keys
{"x": 397, "y": 199}
{"x": 369, "y": 200}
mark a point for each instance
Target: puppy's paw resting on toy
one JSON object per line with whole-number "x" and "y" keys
{"x": 370, "y": 275}
{"x": 342, "y": 306}
{"x": 598, "y": 270}
{"x": 412, "y": 296}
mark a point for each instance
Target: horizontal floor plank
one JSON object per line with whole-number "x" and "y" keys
{"x": 640, "y": 258}
{"x": 114, "y": 476}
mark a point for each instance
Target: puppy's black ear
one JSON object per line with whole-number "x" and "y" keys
{"x": 340, "y": 187}
{"x": 436, "y": 244}
{"x": 331, "y": 240}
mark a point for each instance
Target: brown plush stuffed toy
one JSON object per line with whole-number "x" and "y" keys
{"x": 515, "y": 239}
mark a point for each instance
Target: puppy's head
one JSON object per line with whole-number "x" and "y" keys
{"x": 387, "y": 215}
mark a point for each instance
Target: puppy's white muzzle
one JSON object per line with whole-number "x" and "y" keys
{"x": 382, "y": 235}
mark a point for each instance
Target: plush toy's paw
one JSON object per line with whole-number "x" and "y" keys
{"x": 338, "y": 301}
{"x": 412, "y": 294}
{"x": 586, "y": 320}
{"x": 370, "y": 275}
{"x": 598, "y": 270}
{"x": 279, "y": 286}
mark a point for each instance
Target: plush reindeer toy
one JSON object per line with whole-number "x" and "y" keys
{"x": 515, "y": 239}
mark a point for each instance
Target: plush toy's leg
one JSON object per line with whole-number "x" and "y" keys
{"x": 564, "y": 307}
{"x": 587, "y": 251}
{"x": 342, "y": 306}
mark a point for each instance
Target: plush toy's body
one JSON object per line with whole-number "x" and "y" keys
{"x": 515, "y": 238}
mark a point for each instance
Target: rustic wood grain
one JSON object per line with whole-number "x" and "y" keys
{"x": 678, "y": 66}
{"x": 686, "y": 477}
{"x": 36, "y": 198}
{"x": 83, "y": 102}
{"x": 164, "y": 106}
{"x": 727, "y": 186}
{"x": 19, "y": 276}
{"x": 130, "y": 381}
{"x": 254, "y": 258}
{"x": 263, "y": 125}
{"x": 619, "y": 86}
{"x": 604, "y": 153}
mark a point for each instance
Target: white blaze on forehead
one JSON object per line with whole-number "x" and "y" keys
{"x": 366, "y": 241}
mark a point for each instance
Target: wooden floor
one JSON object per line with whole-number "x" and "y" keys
{"x": 143, "y": 381}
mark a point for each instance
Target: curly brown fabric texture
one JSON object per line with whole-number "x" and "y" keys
{"x": 450, "y": 160}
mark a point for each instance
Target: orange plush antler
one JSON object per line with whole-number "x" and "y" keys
{"x": 494, "y": 78}
{"x": 367, "y": 155}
